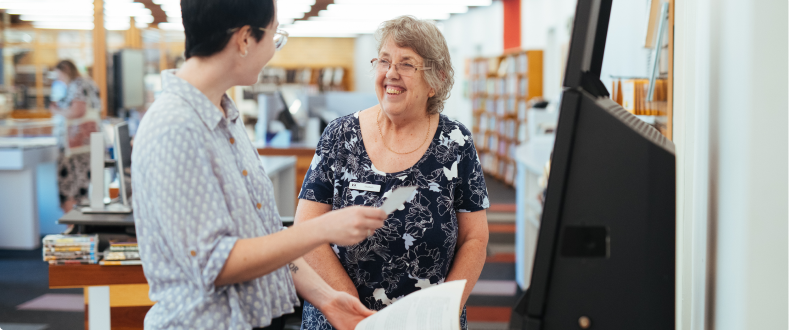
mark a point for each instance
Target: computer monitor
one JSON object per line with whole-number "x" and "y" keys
{"x": 123, "y": 162}
{"x": 605, "y": 257}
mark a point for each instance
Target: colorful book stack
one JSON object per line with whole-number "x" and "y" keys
{"x": 70, "y": 249}
{"x": 122, "y": 253}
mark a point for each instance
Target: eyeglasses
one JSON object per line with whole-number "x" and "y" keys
{"x": 403, "y": 69}
{"x": 281, "y": 36}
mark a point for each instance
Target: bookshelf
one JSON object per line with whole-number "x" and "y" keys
{"x": 502, "y": 89}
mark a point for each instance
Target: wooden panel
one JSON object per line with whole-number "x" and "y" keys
{"x": 100, "y": 54}
{"x": 70, "y": 276}
{"x": 535, "y": 73}
{"x": 123, "y": 318}
{"x": 318, "y": 53}
{"x": 129, "y": 295}
{"x": 670, "y": 33}
{"x": 304, "y": 158}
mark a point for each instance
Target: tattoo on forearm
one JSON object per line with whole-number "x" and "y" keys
{"x": 293, "y": 267}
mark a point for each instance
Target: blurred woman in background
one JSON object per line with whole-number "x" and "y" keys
{"x": 78, "y": 113}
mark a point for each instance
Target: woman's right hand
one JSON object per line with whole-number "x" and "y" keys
{"x": 351, "y": 225}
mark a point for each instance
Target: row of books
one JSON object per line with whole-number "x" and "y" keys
{"x": 500, "y": 166}
{"x": 511, "y": 85}
{"x": 631, "y": 94}
{"x": 84, "y": 249}
{"x": 120, "y": 253}
{"x": 511, "y": 64}
{"x": 70, "y": 249}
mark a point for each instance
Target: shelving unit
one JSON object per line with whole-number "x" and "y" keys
{"x": 502, "y": 89}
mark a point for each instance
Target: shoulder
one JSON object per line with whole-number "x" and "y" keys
{"x": 338, "y": 128}
{"x": 169, "y": 115}
{"x": 455, "y": 131}
{"x": 451, "y": 125}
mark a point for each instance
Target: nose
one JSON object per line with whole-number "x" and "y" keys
{"x": 392, "y": 71}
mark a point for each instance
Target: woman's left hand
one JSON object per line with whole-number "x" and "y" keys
{"x": 344, "y": 311}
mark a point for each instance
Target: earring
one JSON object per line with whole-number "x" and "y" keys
{"x": 243, "y": 55}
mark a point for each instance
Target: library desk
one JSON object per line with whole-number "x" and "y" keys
{"x": 116, "y": 297}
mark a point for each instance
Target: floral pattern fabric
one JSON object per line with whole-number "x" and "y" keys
{"x": 415, "y": 247}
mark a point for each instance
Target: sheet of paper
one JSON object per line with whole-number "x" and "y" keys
{"x": 397, "y": 198}
{"x": 434, "y": 308}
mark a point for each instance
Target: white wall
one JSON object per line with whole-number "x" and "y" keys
{"x": 546, "y": 24}
{"x": 364, "y": 51}
{"x": 749, "y": 103}
{"x": 731, "y": 133}
{"x": 479, "y": 32}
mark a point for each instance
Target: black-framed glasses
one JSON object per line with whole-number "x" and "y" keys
{"x": 403, "y": 69}
{"x": 281, "y": 36}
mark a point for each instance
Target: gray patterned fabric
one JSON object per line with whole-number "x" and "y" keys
{"x": 416, "y": 246}
{"x": 196, "y": 192}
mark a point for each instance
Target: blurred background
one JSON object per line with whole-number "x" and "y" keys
{"x": 509, "y": 57}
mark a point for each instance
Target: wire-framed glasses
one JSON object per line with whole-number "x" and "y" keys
{"x": 281, "y": 36}
{"x": 403, "y": 69}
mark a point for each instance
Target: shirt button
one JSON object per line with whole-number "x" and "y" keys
{"x": 258, "y": 206}
{"x": 232, "y": 140}
{"x": 244, "y": 172}
{"x": 192, "y": 253}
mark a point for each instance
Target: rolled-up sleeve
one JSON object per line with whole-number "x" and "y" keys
{"x": 184, "y": 202}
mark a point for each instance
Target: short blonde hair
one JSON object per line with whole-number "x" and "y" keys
{"x": 425, "y": 39}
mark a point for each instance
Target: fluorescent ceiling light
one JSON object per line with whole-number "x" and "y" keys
{"x": 64, "y": 25}
{"x": 476, "y": 3}
{"x": 416, "y": 9}
{"x": 171, "y": 26}
{"x": 353, "y": 14}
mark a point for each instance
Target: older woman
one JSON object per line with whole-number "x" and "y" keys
{"x": 79, "y": 112}
{"x": 440, "y": 234}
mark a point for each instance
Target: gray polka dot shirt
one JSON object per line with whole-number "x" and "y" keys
{"x": 199, "y": 186}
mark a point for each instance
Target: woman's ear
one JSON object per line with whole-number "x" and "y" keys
{"x": 431, "y": 93}
{"x": 243, "y": 40}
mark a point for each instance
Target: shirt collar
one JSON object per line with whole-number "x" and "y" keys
{"x": 203, "y": 107}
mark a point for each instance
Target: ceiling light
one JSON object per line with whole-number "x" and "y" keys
{"x": 417, "y": 2}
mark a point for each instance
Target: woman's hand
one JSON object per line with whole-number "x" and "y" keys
{"x": 352, "y": 224}
{"x": 344, "y": 311}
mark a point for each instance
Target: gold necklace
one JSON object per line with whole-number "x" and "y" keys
{"x": 385, "y": 143}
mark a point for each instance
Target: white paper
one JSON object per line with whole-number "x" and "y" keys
{"x": 434, "y": 308}
{"x": 397, "y": 198}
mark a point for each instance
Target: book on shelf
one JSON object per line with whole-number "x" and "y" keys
{"x": 58, "y": 239}
{"x": 120, "y": 262}
{"x": 71, "y": 262}
{"x": 121, "y": 255}
{"x": 70, "y": 249}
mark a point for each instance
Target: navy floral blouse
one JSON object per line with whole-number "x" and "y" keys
{"x": 415, "y": 247}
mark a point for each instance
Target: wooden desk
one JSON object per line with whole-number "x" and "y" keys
{"x": 304, "y": 155}
{"x": 116, "y": 297}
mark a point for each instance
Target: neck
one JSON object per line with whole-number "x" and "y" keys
{"x": 405, "y": 122}
{"x": 210, "y": 76}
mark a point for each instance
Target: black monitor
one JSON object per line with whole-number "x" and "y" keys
{"x": 605, "y": 257}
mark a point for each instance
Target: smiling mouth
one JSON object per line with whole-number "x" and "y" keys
{"x": 393, "y": 91}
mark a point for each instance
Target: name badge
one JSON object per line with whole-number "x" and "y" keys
{"x": 365, "y": 186}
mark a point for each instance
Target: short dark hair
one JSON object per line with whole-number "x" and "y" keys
{"x": 68, "y": 67}
{"x": 206, "y": 22}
